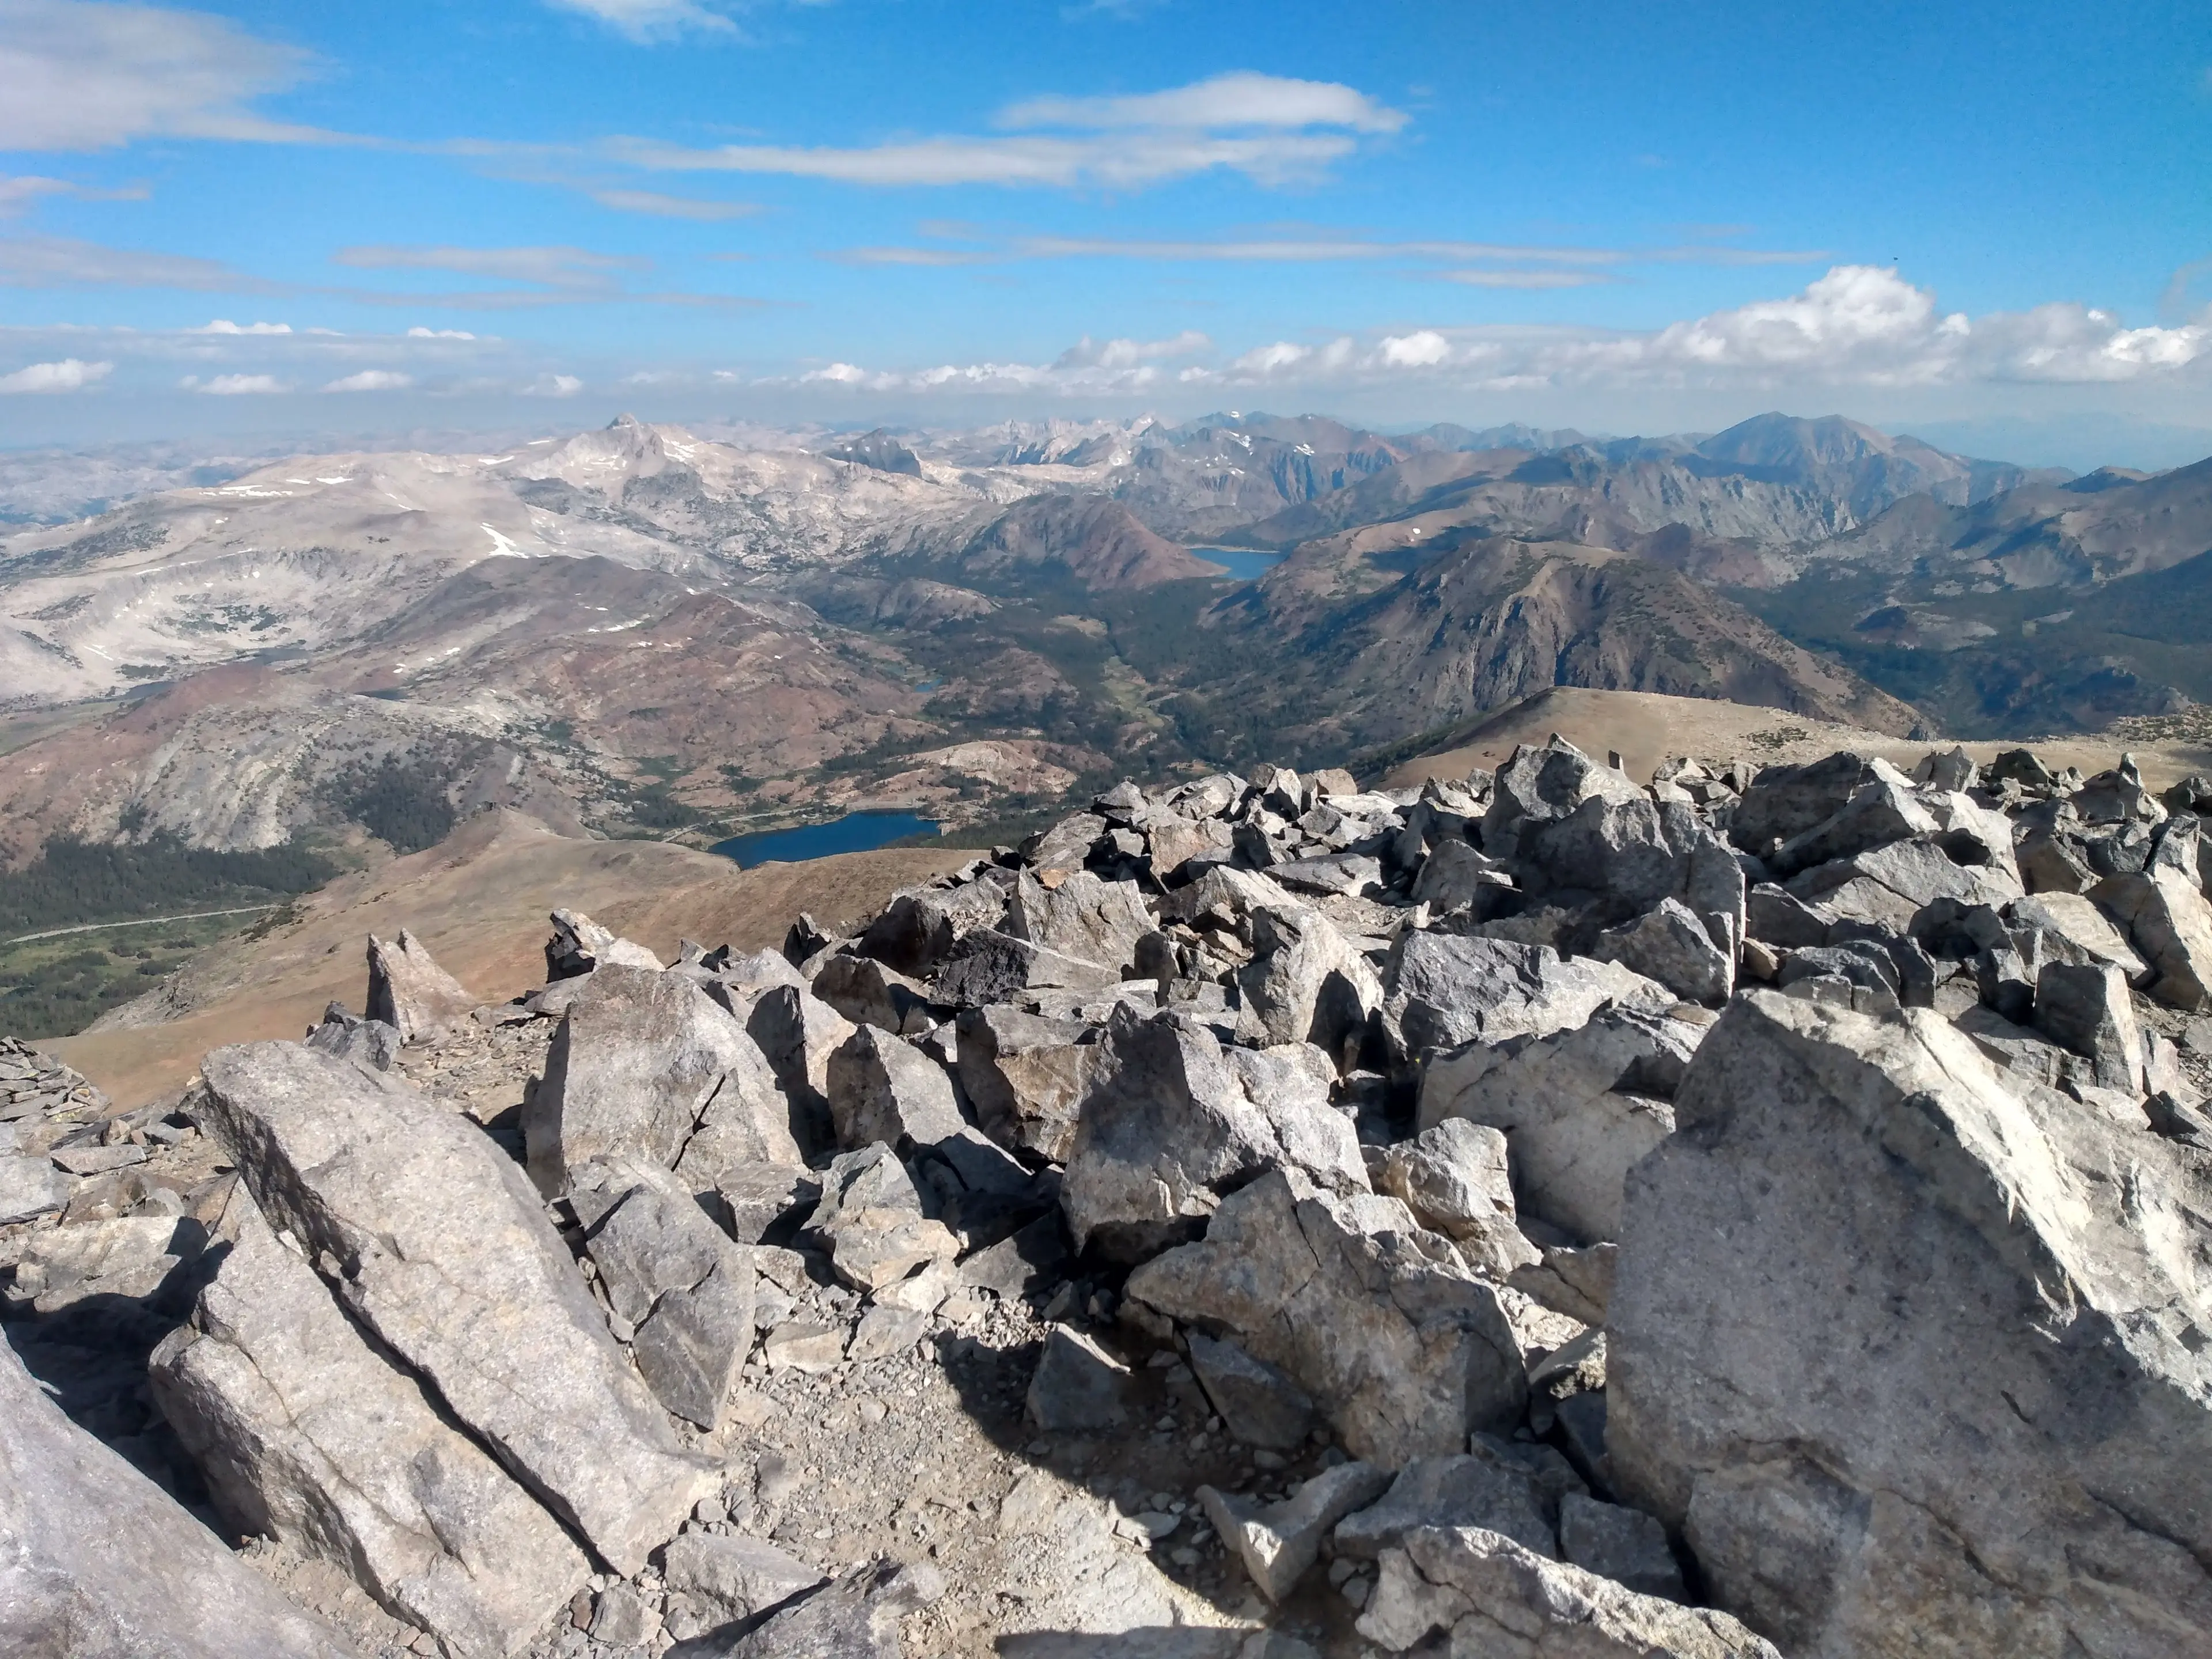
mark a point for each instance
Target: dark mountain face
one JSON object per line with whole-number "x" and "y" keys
{"x": 879, "y": 449}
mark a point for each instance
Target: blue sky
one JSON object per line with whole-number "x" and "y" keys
{"x": 1990, "y": 220}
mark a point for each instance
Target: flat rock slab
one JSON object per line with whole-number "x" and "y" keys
{"x": 436, "y": 1242}
{"x": 308, "y": 1435}
{"x": 99, "y": 1563}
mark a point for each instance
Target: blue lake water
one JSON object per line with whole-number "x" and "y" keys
{"x": 1244, "y": 565}
{"x": 856, "y": 832}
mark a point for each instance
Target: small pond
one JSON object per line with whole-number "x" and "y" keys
{"x": 1244, "y": 565}
{"x": 856, "y": 832}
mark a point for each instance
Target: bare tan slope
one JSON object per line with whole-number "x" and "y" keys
{"x": 1646, "y": 728}
{"x": 479, "y": 901}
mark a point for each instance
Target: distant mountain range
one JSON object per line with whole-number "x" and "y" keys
{"x": 646, "y": 630}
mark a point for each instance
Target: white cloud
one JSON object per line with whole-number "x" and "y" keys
{"x": 1857, "y": 326}
{"x": 1424, "y": 349}
{"x": 70, "y": 374}
{"x": 76, "y": 76}
{"x": 234, "y": 386}
{"x": 419, "y": 332}
{"x": 553, "y": 385}
{"x": 1239, "y": 98}
{"x": 1271, "y": 130}
{"x": 672, "y": 207}
{"x": 649, "y": 19}
{"x": 372, "y": 380}
{"x": 224, "y": 325}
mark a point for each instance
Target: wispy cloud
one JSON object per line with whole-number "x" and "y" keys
{"x": 70, "y": 374}
{"x": 224, "y": 325}
{"x": 1271, "y": 130}
{"x": 1320, "y": 247}
{"x": 650, "y": 20}
{"x": 1533, "y": 280}
{"x": 64, "y": 262}
{"x": 553, "y": 385}
{"x": 80, "y": 76}
{"x": 18, "y": 196}
{"x": 672, "y": 207}
{"x": 551, "y": 267}
{"x": 1223, "y": 102}
{"x": 1858, "y": 326}
{"x": 552, "y": 276}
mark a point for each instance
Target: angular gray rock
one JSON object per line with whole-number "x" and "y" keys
{"x": 1871, "y": 1285}
{"x": 1540, "y": 785}
{"x": 2082, "y": 926}
{"x": 408, "y": 992}
{"x": 30, "y": 1188}
{"x": 855, "y": 1618}
{"x": 870, "y": 1216}
{"x": 1786, "y": 801}
{"x": 1671, "y": 945}
{"x": 1454, "y": 1177}
{"x": 1025, "y": 1075}
{"x": 1080, "y": 917}
{"x": 580, "y": 945}
{"x": 1078, "y": 1388}
{"x": 917, "y": 930}
{"x": 1260, "y": 1405}
{"x": 99, "y": 1563}
{"x": 1170, "y": 1119}
{"x": 646, "y": 1065}
{"x": 1882, "y": 811}
{"x": 868, "y": 992}
{"x": 1305, "y": 982}
{"x": 988, "y": 966}
{"x": 435, "y": 1243}
{"x": 717, "y": 1579}
{"x": 797, "y": 1032}
{"x": 2087, "y": 1009}
{"x": 1625, "y": 1545}
{"x": 370, "y": 1042}
{"x": 1279, "y": 1542}
{"x": 1455, "y": 875}
{"x": 1445, "y": 990}
{"x": 674, "y": 1278}
{"x": 2170, "y": 922}
{"x": 1578, "y": 1109}
{"x": 308, "y": 1435}
{"x": 1456, "y": 1490}
{"x": 884, "y": 1088}
{"x": 1491, "y": 1596}
{"x": 1398, "y": 1343}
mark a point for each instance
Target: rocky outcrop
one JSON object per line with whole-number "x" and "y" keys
{"x": 410, "y": 993}
{"x": 308, "y": 1435}
{"x": 433, "y": 1241}
{"x": 646, "y": 1065}
{"x": 101, "y": 1562}
{"x": 1402, "y": 1348}
{"x": 1241, "y": 1175}
{"x": 1171, "y": 1120}
{"x": 1872, "y": 1284}
{"x": 1487, "y": 1593}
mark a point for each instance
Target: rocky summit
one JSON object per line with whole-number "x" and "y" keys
{"x": 1755, "y": 1213}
